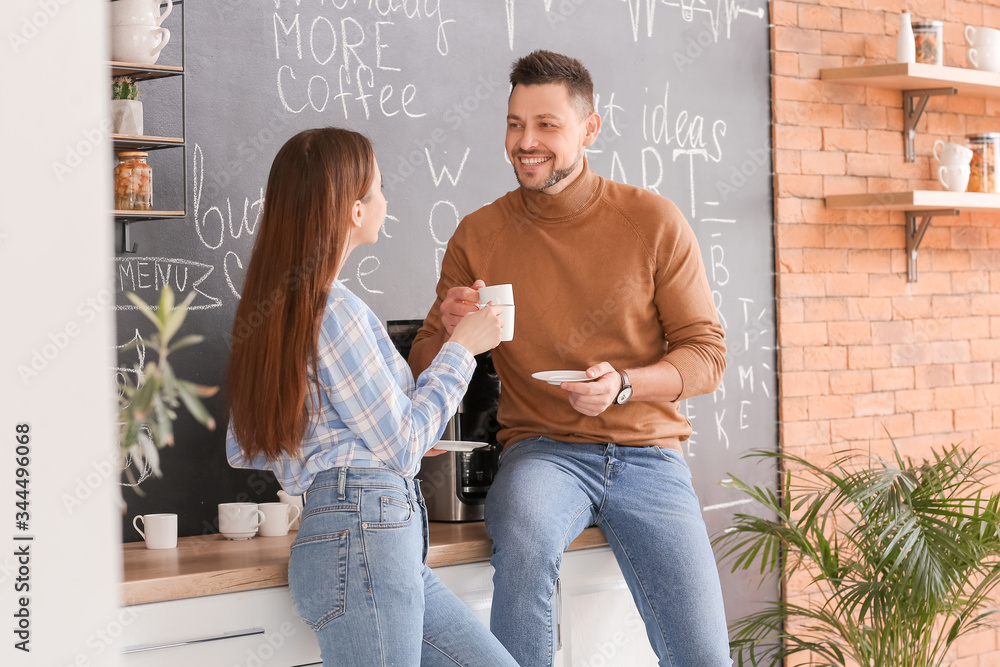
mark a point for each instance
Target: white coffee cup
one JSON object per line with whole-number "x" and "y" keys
{"x": 503, "y": 297}
{"x": 954, "y": 178}
{"x": 982, "y": 37}
{"x": 161, "y": 530}
{"x": 278, "y": 518}
{"x": 951, "y": 154}
{"x": 137, "y": 43}
{"x": 147, "y": 12}
{"x": 239, "y": 521}
{"x": 985, "y": 58}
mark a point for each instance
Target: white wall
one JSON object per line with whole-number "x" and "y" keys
{"x": 56, "y": 253}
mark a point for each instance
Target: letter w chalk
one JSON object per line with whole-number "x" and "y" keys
{"x": 444, "y": 170}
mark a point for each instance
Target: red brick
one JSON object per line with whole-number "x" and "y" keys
{"x": 849, "y": 333}
{"x": 974, "y": 373}
{"x": 810, "y": 64}
{"x": 794, "y": 409}
{"x": 884, "y": 284}
{"x": 933, "y": 421}
{"x": 897, "y": 331}
{"x": 860, "y": 164}
{"x": 869, "y": 22}
{"x": 987, "y": 394}
{"x": 785, "y": 63}
{"x": 908, "y": 355}
{"x": 806, "y": 433}
{"x": 934, "y": 375}
{"x": 970, "y": 282}
{"x": 803, "y": 334}
{"x": 850, "y": 382}
{"x": 952, "y": 398}
{"x": 847, "y": 237}
{"x": 986, "y": 305}
{"x": 885, "y": 142}
{"x": 881, "y": 403}
{"x": 799, "y": 185}
{"x": 795, "y": 88}
{"x": 784, "y": 13}
{"x": 950, "y": 260}
{"x": 896, "y": 426}
{"x": 858, "y": 428}
{"x": 820, "y": 18}
{"x": 824, "y": 358}
{"x": 887, "y": 379}
{"x": 985, "y": 350}
{"x": 799, "y": 236}
{"x": 951, "y": 305}
{"x": 842, "y": 185}
{"x": 789, "y": 310}
{"x": 870, "y": 309}
{"x": 823, "y": 162}
{"x": 973, "y": 419}
{"x": 787, "y": 38}
{"x": 908, "y": 308}
{"x": 790, "y": 359}
{"x": 801, "y": 284}
{"x": 805, "y": 383}
{"x": 798, "y": 138}
{"x": 830, "y": 407}
{"x": 847, "y": 284}
{"x": 864, "y": 117}
{"x": 824, "y": 310}
{"x": 950, "y": 352}
{"x": 809, "y": 114}
{"x": 841, "y": 139}
{"x": 787, "y": 162}
{"x": 914, "y": 400}
{"x": 868, "y": 357}
{"x": 788, "y": 210}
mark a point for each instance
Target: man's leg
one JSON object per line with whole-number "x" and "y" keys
{"x": 652, "y": 519}
{"x": 538, "y": 503}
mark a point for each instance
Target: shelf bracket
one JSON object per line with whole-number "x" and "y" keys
{"x": 915, "y": 234}
{"x": 914, "y": 102}
{"x": 127, "y": 246}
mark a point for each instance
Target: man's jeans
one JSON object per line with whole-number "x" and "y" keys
{"x": 358, "y": 577}
{"x": 544, "y": 495}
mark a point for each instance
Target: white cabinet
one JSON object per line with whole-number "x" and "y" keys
{"x": 600, "y": 626}
{"x": 252, "y": 628}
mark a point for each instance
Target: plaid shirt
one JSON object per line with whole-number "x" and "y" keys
{"x": 372, "y": 413}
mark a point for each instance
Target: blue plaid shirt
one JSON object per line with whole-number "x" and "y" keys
{"x": 372, "y": 413}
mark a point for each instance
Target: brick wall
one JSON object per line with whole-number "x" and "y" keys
{"x": 863, "y": 352}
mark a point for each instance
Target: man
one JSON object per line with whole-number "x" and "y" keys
{"x": 607, "y": 278}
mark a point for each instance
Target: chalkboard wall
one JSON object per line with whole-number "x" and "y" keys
{"x": 683, "y": 90}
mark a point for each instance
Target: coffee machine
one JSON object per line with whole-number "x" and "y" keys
{"x": 454, "y": 484}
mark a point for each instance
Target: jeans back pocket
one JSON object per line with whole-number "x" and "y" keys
{"x": 317, "y": 577}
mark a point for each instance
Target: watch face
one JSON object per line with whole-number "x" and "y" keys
{"x": 624, "y": 395}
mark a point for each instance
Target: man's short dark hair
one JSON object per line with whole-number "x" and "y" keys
{"x": 540, "y": 67}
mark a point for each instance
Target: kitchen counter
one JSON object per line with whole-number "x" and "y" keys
{"x": 210, "y": 564}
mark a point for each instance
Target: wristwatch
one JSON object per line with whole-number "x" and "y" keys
{"x": 625, "y": 393}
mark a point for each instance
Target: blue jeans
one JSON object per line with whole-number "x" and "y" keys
{"x": 544, "y": 495}
{"x": 359, "y": 578}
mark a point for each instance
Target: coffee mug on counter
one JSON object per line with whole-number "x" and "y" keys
{"x": 161, "y": 530}
{"x": 503, "y": 297}
{"x": 954, "y": 177}
{"x": 278, "y": 518}
{"x": 239, "y": 521}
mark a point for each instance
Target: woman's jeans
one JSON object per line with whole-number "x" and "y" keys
{"x": 544, "y": 495}
{"x": 359, "y": 578}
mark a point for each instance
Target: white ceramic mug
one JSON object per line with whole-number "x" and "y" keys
{"x": 982, "y": 37}
{"x": 139, "y": 44}
{"x": 951, "y": 154}
{"x": 278, "y": 518}
{"x": 239, "y": 521}
{"x": 146, "y": 12}
{"x": 985, "y": 58}
{"x": 954, "y": 178}
{"x": 161, "y": 530}
{"x": 503, "y": 297}
{"x": 292, "y": 500}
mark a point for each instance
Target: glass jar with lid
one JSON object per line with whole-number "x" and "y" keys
{"x": 985, "y": 158}
{"x": 133, "y": 182}
{"x": 929, "y": 39}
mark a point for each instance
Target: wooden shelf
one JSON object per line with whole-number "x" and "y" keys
{"x": 148, "y": 215}
{"x": 127, "y": 142}
{"x": 913, "y": 76}
{"x": 917, "y": 200}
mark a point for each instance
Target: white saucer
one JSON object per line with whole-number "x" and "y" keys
{"x": 458, "y": 445}
{"x": 558, "y": 377}
{"x": 239, "y": 536}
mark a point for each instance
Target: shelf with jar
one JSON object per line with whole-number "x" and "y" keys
{"x": 137, "y": 38}
{"x": 919, "y": 81}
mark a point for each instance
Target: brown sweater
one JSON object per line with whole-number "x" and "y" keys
{"x": 601, "y": 272}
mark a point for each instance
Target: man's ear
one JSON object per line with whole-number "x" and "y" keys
{"x": 593, "y": 128}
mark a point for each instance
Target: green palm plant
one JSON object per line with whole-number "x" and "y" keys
{"x": 903, "y": 558}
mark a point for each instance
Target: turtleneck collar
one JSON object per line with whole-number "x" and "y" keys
{"x": 577, "y": 196}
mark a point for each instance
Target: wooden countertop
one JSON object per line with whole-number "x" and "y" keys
{"x": 210, "y": 564}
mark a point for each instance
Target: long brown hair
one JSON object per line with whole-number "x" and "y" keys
{"x": 303, "y": 237}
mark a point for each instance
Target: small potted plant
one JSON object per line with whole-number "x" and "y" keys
{"x": 147, "y": 408}
{"x": 126, "y": 109}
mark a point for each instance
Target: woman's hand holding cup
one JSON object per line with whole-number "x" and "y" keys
{"x": 479, "y": 331}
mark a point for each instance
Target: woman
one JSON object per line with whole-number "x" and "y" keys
{"x": 320, "y": 396}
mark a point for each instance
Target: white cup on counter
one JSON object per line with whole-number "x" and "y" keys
{"x": 239, "y": 521}
{"x": 278, "y": 518}
{"x": 502, "y": 296}
{"x": 161, "y": 530}
{"x": 949, "y": 154}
